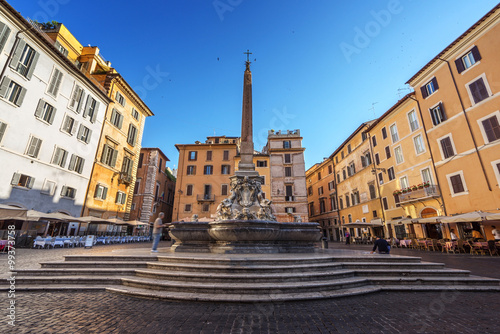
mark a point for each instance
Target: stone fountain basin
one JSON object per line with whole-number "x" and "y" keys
{"x": 244, "y": 230}
{"x": 189, "y": 231}
{"x": 299, "y": 232}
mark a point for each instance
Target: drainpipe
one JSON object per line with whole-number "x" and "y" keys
{"x": 432, "y": 156}
{"x": 468, "y": 125}
{"x": 341, "y": 236}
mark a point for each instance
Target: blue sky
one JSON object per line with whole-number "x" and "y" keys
{"x": 321, "y": 66}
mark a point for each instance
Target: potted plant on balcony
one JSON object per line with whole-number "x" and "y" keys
{"x": 414, "y": 188}
{"x": 420, "y": 186}
{"x": 396, "y": 192}
{"x": 427, "y": 184}
{"x": 404, "y": 190}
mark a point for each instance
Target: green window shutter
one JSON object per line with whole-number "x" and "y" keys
{"x": 113, "y": 159}
{"x": 120, "y": 123}
{"x": 80, "y": 166}
{"x": 104, "y": 192}
{"x": 96, "y": 110}
{"x": 64, "y": 156}
{"x": 3, "y": 126}
{"x": 64, "y": 190}
{"x": 15, "y": 179}
{"x": 4, "y": 35}
{"x": 104, "y": 153}
{"x": 31, "y": 182}
{"x": 72, "y": 162}
{"x": 4, "y": 86}
{"x": 89, "y": 135}
{"x": 87, "y": 106}
{"x": 75, "y": 126}
{"x": 80, "y": 131}
{"x": 20, "y": 99}
{"x": 57, "y": 155}
{"x": 32, "y": 66}
{"x": 39, "y": 108}
{"x": 113, "y": 116}
{"x": 37, "y": 147}
{"x": 17, "y": 54}
{"x": 51, "y": 119}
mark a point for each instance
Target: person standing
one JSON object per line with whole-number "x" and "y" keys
{"x": 476, "y": 235}
{"x": 496, "y": 233}
{"x": 157, "y": 232}
{"x": 453, "y": 236}
{"x": 347, "y": 237}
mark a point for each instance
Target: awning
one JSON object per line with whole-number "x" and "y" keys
{"x": 493, "y": 216}
{"x": 402, "y": 221}
{"x": 136, "y": 223}
{"x": 429, "y": 220}
{"x": 116, "y": 221}
{"x": 8, "y": 212}
{"x": 476, "y": 216}
{"x": 93, "y": 220}
{"x": 362, "y": 225}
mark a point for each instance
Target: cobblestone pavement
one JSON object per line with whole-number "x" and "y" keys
{"x": 396, "y": 312}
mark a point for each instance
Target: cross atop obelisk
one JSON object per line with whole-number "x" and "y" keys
{"x": 246, "y": 165}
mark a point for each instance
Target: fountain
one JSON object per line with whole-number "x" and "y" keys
{"x": 245, "y": 221}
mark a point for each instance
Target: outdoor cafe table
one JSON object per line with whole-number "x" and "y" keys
{"x": 450, "y": 245}
{"x": 3, "y": 244}
{"x": 425, "y": 243}
{"x": 406, "y": 243}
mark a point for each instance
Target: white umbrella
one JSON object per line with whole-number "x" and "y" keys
{"x": 430, "y": 220}
{"x": 11, "y": 212}
{"x": 493, "y": 216}
{"x": 361, "y": 224}
{"x": 476, "y": 216}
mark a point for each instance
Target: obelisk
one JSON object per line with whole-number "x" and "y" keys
{"x": 246, "y": 167}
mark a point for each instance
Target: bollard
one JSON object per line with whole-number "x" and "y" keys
{"x": 324, "y": 243}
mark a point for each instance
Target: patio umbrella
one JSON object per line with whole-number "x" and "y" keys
{"x": 93, "y": 220}
{"x": 402, "y": 221}
{"x": 136, "y": 223}
{"x": 476, "y": 216}
{"x": 116, "y": 221}
{"x": 11, "y": 212}
{"x": 361, "y": 225}
{"x": 493, "y": 216}
{"x": 429, "y": 220}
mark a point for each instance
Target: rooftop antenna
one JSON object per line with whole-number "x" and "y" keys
{"x": 401, "y": 90}
{"x": 373, "y": 109}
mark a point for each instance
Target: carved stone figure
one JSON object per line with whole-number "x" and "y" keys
{"x": 194, "y": 218}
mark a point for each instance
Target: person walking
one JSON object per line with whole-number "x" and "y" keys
{"x": 496, "y": 233}
{"x": 157, "y": 232}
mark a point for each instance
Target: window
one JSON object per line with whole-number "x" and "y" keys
{"x": 338, "y": 177}
{"x": 109, "y": 156}
{"x": 429, "y": 88}
{"x": 116, "y": 119}
{"x": 394, "y": 133}
{"x": 288, "y": 158}
{"x": 288, "y": 171}
{"x": 366, "y": 159}
{"x": 69, "y": 125}
{"x": 100, "y": 192}
{"x": 24, "y": 59}
{"x": 396, "y": 200}
{"x": 189, "y": 190}
{"x": 137, "y": 186}
{"x": 48, "y": 187}
{"x": 330, "y": 169}
{"x": 398, "y": 153}
{"x": 225, "y": 157}
{"x": 76, "y": 102}
{"x": 320, "y": 190}
{"x": 348, "y": 148}
{"x": 263, "y": 179}
{"x": 344, "y": 176}
{"x": 457, "y": 183}
{"x": 3, "y": 127}
{"x": 478, "y": 90}
{"x": 121, "y": 197}
{"x": 347, "y": 200}
{"x": 342, "y": 155}
{"x": 120, "y": 99}
{"x": 91, "y": 108}
{"x": 76, "y": 163}
{"x": 4, "y": 35}
{"x": 387, "y": 152}
{"x": 377, "y": 159}
{"x": 127, "y": 166}
{"x": 55, "y": 82}
{"x": 187, "y": 208}
{"x": 352, "y": 168}
{"x": 355, "y": 197}
{"x": 45, "y": 112}
{"x": 419, "y": 144}
{"x": 261, "y": 163}
{"x": 207, "y": 193}
{"x": 223, "y": 191}
{"x": 287, "y": 144}
{"x": 192, "y": 155}
{"x": 426, "y": 175}
{"x": 21, "y": 180}
{"x": 331, "y": 185}
{"x": 380, "y": 178}
{"x": 135, "y": 114}
{"x": 141, "y": 158}
{"x": 333, "y": 204}
{"x": 225, "y": 169}
{"x": 341, "y": 203}
{"x": 68, "y": 192}
{"x": 384, "y": 202}
{"x": 205, "y": 207}
{"x": 371, "y": 189}
{"x": 311, "y": 209}
{"x": 33, "y": 147}
{"x": 390, "y": 174}
{"x": 319, "y": 175}
{"x": 208, "y": 169}
{"x": 384, "y": 133}
{"x": 447, "y": 148}
{"x": 209, "y": 155}
{"x": 403, "y": 182}
{"x": 374, "y": 141}
{"x": 132, "y": 134}
{"x": 374, "y": 212}
{"x": 469, "y": 59}
{"x": 12, "y": 92}
{"x": 491, "y": 128}
{"x": 191, "y": 170}
{"x": 59, "y": 157}
{"x": 412, "y": 119}
{"x": 437, "y": 114}
{"x": 349, "y": 218}
{"x": 322, "y": 207}
{"x": 290, "y": 210}
{"x": 61, "y": 48}
{"x": 289, "y": 193}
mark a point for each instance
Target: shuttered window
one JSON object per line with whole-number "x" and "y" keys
{"x": 132, "y": 134}
{"x": 384, "y": 133}
{"x": 84, "y": 134}
{"x": 390, "y": 174}
{"x": 377, "y": 159}
{"x": 109, "y": 156}
{"x": 69, "y": 125}
{"x": 467, "y": 60}
{"x": 189, "y": 190}
{"x": 491, "y": 128}
{"x": 68, "y": 192}
{"x": 374, "y": 142}
{"x": 55, "y": 82}
{"x": 77, "y": 97}
{"x": 21, "y": 180}
{"x": 45, "y": 112}
{"x": 76, "y": 164}
{"x": 59, "y": 157}
{"x": 387, "y": 152}
{"x": 288, "y": 171}
{"x": 24, "y": 59}
{"x": 386, "y": 205}
{"x": 33, "y": 147}
{"x": 91, "y": 108}
{"x": 456, "y": 184}
{"x": 429, "y": 88}
{"x": 11, "y": 91}
{"x": 209, "y": 155}
{"x": 4, "y": 35}
{"x": 225, "y": 156}
{"x": 116, "y": 119}
{"x": 224, "y": 190}
{"x": 478, "y": 90}
{"x": 447, "y": 147}
{"x": 3, "y": 128}
{"x": 100, "y": 192}
{"x": 437, "y": 114}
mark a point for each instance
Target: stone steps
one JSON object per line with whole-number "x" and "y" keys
{"x": 245, "y": 288}
{"x": 449, "y": 281}
{"x": 75, "y": 271}
{"x": 94, "y": 264}
{"x": 66, "y": 280}
{"x": 411, "y": 272}
{"x": 400, "y": 265}
{"x": 107, "y": 258}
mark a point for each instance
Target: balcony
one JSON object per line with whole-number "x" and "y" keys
{"x": 125, "y": 178}
{"x": 289, "y": 198}
{"x": 205, "y": 198}
{"x": 419, "y": 194}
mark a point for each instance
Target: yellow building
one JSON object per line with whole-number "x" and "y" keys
{"x": 405, "y": 171}
{"x": 322, "y": 199}
{"x": 458, "y": 94}
{"x": 111, "y": 186}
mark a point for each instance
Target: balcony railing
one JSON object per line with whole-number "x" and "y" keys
{"x": 289, "y": 198}
{"x": 125, "y": 178}
{"x": 418, "y": 194}
{"x": 205, "y": 198}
